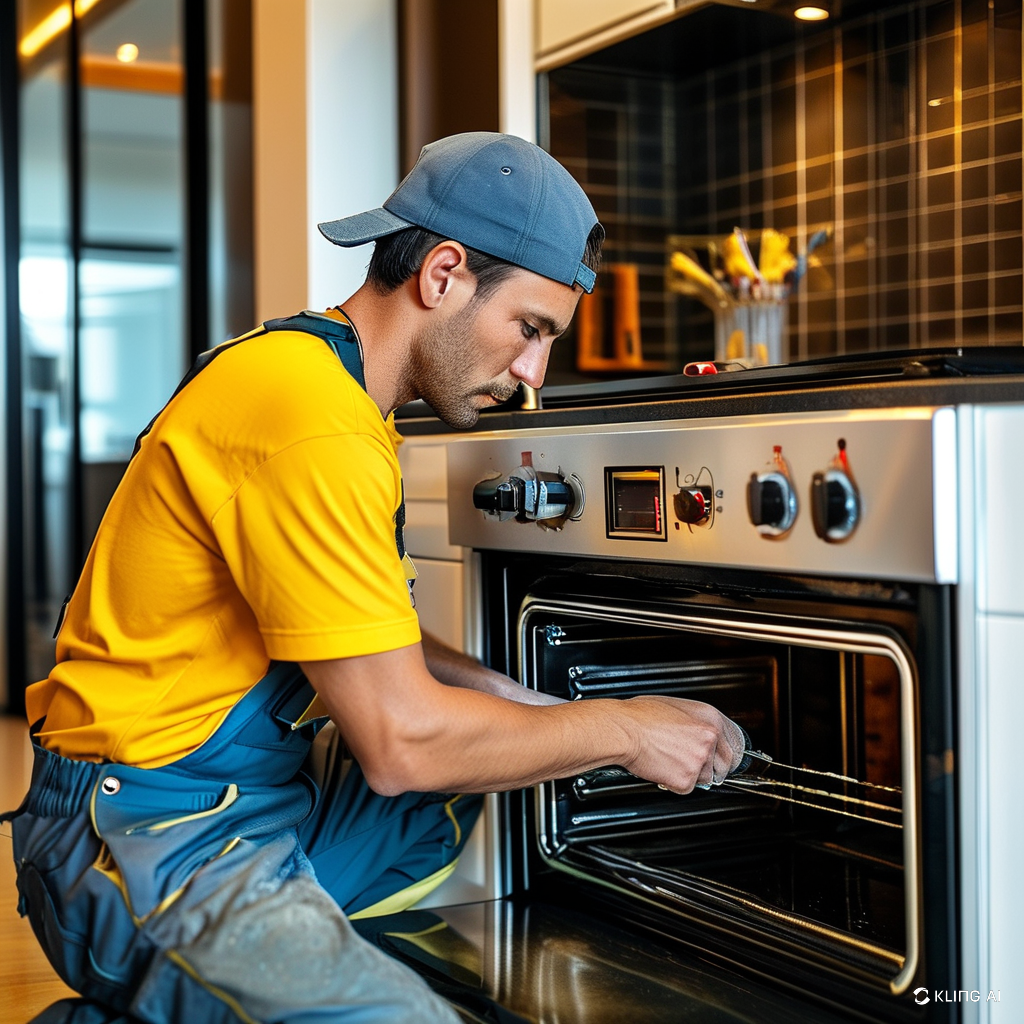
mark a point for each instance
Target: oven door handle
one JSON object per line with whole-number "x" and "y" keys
{"x": 610, "y": 781}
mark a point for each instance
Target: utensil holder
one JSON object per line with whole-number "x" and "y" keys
{"x": 753, "y": 331}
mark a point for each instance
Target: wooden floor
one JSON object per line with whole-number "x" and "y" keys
{"x": 28, "y": 983}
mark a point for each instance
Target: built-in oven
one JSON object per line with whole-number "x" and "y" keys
{"x": 692, "y": 559}
{"x": 811, "y": 873}
{"x": 810, "y": 566}
{"x": 817, "y": 863}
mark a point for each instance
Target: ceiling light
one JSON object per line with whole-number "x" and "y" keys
{"x": 127, "y": 52}
{"x": 811, "y": 13}
{"x": 51, "y": 26}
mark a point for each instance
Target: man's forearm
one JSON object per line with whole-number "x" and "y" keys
{"x": 411, "y": 732}
{"x": 453, "y": 668}
{"x": 428, "y": 736}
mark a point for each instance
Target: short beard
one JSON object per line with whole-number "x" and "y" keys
{"x": 440, "y": 364}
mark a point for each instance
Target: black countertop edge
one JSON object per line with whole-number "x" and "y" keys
{"x": 901, "y": 393}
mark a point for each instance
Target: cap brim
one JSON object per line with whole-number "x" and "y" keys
{"x": 362, "y": 227}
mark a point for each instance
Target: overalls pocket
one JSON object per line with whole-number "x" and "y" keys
{"x": 158, "y": 829}
{"x": 77, "y": 918}
{"x": 65, "y": 950}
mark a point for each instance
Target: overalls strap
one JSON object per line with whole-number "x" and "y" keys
{"x": 339, "y": 337}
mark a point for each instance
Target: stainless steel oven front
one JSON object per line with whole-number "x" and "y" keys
{"x": 796, "y": 571}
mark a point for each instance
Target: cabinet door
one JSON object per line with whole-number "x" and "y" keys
{"x": 564, "y": 22}
{"x": 439, "y": 599}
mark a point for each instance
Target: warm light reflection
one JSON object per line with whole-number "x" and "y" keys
{"x": 811, "y": 13}
{"x": 127, "y": 52}
{"x": 51, "y": 26}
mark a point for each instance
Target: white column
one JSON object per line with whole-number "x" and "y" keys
{"x": 517, "y": 82}
{"x": 1000, "y": 638}
{"x": 352, "y": 125}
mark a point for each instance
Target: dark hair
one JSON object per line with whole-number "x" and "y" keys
{"x": 397, "y": 257}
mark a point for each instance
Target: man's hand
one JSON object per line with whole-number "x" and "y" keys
{"x": 684, "y": 743}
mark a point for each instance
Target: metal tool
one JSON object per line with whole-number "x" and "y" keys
{"x": 758, "y": 773}
{"x": 755, "y": 775}
{"x": 766, "y": 761}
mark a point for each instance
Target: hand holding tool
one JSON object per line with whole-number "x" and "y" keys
{"x": 759, "y": 774}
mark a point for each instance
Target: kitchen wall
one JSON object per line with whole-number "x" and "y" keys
{"x": 896, "y": 127}
{"x": 448, "y": 71}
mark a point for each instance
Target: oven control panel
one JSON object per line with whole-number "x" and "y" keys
{"x": 860, "y": 493}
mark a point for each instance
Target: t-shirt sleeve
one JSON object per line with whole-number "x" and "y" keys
{"x": 309, "y": 539}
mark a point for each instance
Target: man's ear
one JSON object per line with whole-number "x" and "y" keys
{"x": 442, "y": 268}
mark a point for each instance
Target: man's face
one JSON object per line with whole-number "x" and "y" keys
{"x": 476, "y": 355}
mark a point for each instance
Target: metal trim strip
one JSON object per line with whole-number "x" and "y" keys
{"x": 944, "y": 496}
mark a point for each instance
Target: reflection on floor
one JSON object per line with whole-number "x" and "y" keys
{"x": 549, "y": 965}
{"x": 27, "y": 981}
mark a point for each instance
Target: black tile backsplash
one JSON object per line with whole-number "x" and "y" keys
{"x": 898, "y": 129}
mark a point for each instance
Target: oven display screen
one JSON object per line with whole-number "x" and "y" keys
{"x": 635, "y": 502}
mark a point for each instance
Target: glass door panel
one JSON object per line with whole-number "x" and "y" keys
{"x": 130, "y": 273}
{"x": 132, "y": 116}
{"x": 46, "y": 287}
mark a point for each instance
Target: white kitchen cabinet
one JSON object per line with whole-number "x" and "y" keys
{"x": 566, "y": 29}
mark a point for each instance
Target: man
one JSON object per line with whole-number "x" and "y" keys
{"x": 180, "y": 855}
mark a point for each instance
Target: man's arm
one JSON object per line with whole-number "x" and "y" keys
{"x": 453, "y": 668}
{"x": 411, "y": 732}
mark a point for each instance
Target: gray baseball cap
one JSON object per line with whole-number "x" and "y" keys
{"x": 495, "y": 193}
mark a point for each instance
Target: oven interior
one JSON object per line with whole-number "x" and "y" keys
{"x": 815, "y": 862}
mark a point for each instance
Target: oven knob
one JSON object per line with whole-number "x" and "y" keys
{"x": 529, "y": 495}
{"x": 835, "y": 503}
{"x": 693, "y": 505}
{"x": 771, "y": 498}
{"x": 499, "y": 498}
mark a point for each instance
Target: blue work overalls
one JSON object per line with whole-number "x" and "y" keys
{"x": 213, "y": 889}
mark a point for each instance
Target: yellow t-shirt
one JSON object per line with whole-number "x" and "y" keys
{"x": 255, "y": 523}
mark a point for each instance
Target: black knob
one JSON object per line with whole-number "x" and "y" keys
{"x": 765, "y": 501}
{"x": 528, "y": 495}
{"x": 500, "y": 497}
{"x": 835, "y": 505}
{"x": 771, "y": 502}
{"x": 693, "y": 505}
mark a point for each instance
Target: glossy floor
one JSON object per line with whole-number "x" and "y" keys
{"x": 548, "y": 964}
{"x": 27, "y": 982}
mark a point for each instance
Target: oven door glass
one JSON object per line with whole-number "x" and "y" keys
{"x": 813, "y": 849}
